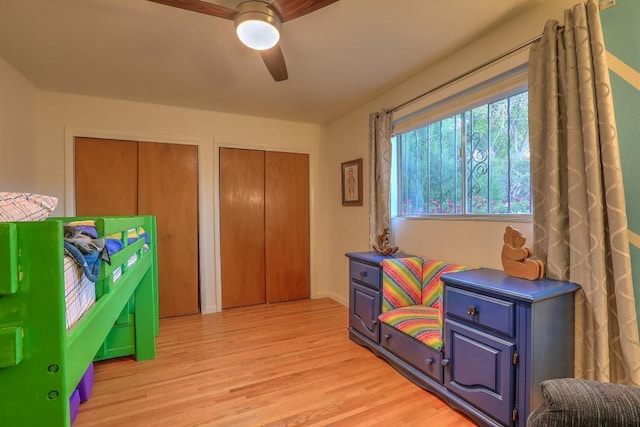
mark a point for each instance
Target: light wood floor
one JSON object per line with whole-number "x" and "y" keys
{"x": 288, "y": 364}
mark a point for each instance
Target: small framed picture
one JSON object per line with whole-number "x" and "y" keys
{"x": 352, "y": 183}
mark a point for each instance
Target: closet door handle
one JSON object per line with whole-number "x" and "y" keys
{"x": 445, "y": 362}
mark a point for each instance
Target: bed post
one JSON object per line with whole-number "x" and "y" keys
{"x": 34, "y": 391}
{"x": 146, "y": 307}
{"x": 150, "y": 221}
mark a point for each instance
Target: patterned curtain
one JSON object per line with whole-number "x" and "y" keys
{"x": 379, "y": 173}
{"x": 580, "y": 223}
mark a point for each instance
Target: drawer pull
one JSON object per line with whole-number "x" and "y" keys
{"x": 363, "y": 274}
{"x": 387, "y": 336}
{"x": 445, "y": 362}
{"x": 429, "y": 361}
{"x": 472, "y": 310}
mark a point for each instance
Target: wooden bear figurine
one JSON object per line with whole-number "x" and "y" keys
{"x": 515, "y": 256}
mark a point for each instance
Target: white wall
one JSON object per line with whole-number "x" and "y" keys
{"x": 476, "y": 243}
{"x": 18, "y": 99}
{"x": 39, "y": 127}
{"x": 63, "y": 116}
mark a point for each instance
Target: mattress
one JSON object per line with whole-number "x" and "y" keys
{"x": 79, "y": 291}
{"x": 117, "y": 273}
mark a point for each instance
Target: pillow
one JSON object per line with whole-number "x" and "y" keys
{"x": 25, "y": 206}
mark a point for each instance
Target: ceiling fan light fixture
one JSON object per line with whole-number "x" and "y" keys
{"x": 257, "y": 26}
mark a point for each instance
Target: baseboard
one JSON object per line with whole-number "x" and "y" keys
{"x": 208, "y": 309}
{"x": 337, "y": 298}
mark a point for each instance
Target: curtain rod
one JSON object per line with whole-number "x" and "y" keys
{"x": 466, "y": 73}
{"x": 602, "y": 4}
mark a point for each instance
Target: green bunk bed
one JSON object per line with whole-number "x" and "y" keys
{"x": 41, "y": 359}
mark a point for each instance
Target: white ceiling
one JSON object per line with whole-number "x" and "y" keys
{"x": 338, "y": 58}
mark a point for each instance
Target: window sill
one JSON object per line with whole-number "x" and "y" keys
{"x": 492, "y": 218}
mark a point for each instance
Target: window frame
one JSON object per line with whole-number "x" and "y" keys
{"x": 497, "y": 88}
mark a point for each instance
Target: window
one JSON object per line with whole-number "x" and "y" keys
{"x": 472, "y": 162}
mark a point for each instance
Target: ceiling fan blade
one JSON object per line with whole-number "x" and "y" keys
{"x": 274, "y": 60}
{"x": 291, "y": 9}
{"x": 200, "y": 7}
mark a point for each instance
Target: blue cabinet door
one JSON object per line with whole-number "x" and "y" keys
{"x": 364, "y": 307}
{"x": 479, "y": 368}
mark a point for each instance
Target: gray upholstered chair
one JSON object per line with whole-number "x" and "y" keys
{"x": 576, "y": 402}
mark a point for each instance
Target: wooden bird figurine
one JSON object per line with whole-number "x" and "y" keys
{"x": 383, "y": 247}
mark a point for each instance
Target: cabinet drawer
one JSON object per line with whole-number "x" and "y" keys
{"x": 364, "y": 307}
{"x": 366, "y": 274}
{"x": 477, "y": 309}
{"x": 424, "y": 358}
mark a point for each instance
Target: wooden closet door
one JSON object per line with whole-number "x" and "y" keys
{"x": 106, "y": 176}
{"x": 287, "y": 226}
{"x": 168, "y": 189}
{"x": 115, "y": 177}
{"x": 242, "y": 227}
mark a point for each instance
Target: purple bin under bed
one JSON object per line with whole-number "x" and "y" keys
{"x": 74, "y": 404}
{"x": 82, "y": 392}
{"x": 85, "y": 386}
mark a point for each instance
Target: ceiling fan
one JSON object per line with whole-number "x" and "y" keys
{"x": 257, "y": 23}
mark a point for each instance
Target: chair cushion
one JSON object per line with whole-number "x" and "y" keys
{"x": 420, "y": 322}
{"x": 577, "y": 402}
{"x": 432, "y": 288}
{"x": 401, "y": 282}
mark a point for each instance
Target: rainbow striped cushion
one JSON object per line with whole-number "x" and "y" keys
{"x": 432, "y": 289}
{"x": 420, "y": 322}
{"x": 401, "y": 282}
